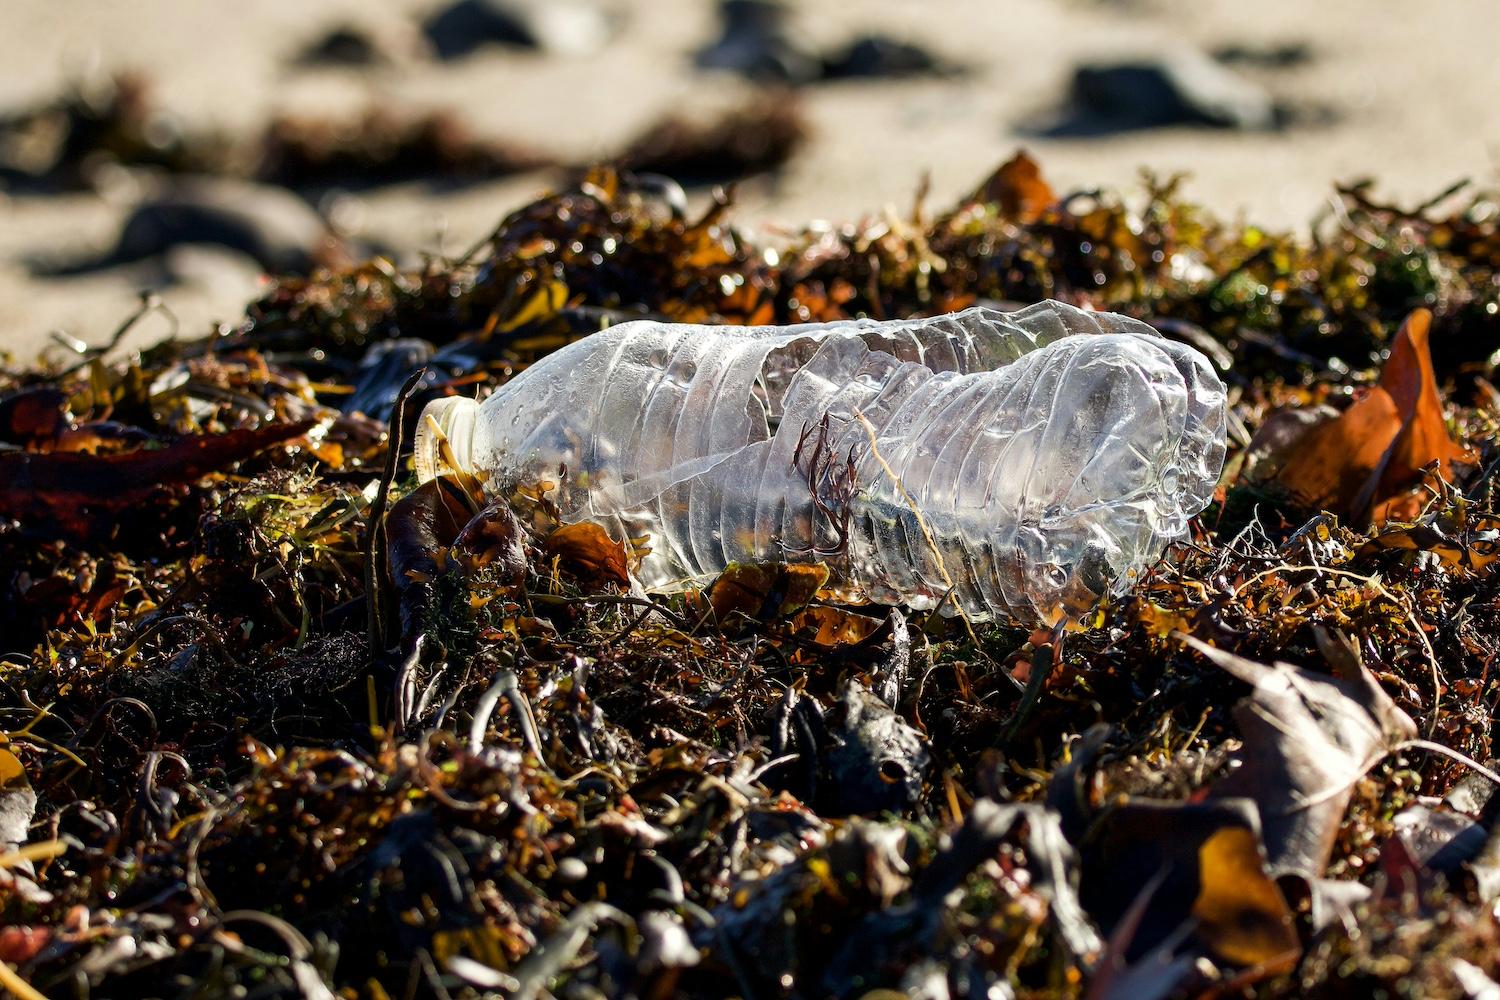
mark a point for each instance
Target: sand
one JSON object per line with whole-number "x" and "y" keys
{"x": 1399, "y": 93}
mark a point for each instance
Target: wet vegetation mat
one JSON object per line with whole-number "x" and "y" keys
{"x": 277, "y": 721}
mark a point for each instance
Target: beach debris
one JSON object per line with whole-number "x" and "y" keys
{"x": 825, "y": 444}
{"x": 546, "y": 781}
{"x": 878, "y": 56}
{"x": 755, "y": 42}
{"x": 364, "y": 45}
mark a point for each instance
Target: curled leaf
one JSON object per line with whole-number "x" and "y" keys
{"x": 419, "y": 530}
{"x": 588, "y": 552}
{"x": 1363, "y": 463}
{"x": 1018, "y": 188}
{"x": 1308, "y": 739}
{"x": 765, "y": 592}
{"x": 1242, "y": 915}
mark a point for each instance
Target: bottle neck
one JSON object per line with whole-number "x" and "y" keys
{"x": 445, "y": 438}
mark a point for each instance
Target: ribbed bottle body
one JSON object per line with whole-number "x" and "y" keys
{"x": 1026, "y": 462}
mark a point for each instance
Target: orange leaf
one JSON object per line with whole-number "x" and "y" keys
{"x": 1241, "y": 913}
{"x": 765, "y": 591}
{"x": 1018, "y": 188}
{"x": 1363, "y": 463}
{"x": 587, "y": 550}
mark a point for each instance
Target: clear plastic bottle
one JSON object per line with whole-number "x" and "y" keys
{"x": 1022, "y": 464}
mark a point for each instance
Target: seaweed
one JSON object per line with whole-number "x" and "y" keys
{"x": 277, "y": 720}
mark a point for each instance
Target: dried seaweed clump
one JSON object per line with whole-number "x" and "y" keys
{"x": 277, "y": 720}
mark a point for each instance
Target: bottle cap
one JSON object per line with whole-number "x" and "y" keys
{"x": 449, "y": 420}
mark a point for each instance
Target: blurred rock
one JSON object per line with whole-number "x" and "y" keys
{"x": 272, "y": 226}
{"x": 275, "y": 227}
{"x": 882, "y": 56}
{"x": 755, "y": 42}
{"x": 364, "y": 46}
{"x": 1265, "y": 55}
{"x": 1184, "y": 88}
{"x": 561, "y": 27}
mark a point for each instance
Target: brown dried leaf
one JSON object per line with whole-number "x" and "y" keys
{"x": 493, "y": 537}
{"x": 419, "y": 529}
{"x": 1364, "y": 463}
{"x": 1308, "y": 739}
{"x": 830, "y": 627}
{"x": 588, "y": 552}
{"x": 1205, "y": 865}
{"x": 1018, "y": 188}
{"x": 765, "y": 592}
{"x": 1242, "y": 915}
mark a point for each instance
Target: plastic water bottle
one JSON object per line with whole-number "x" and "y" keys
{"x": 1021, "y": 464}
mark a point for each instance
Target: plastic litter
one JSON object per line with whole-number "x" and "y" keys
{"x": 1022, "y": 464}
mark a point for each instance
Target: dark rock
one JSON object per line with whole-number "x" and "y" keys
{"x": 364, "y": 46}
{"x": 278, "y": 230}
{"x": 1187, "y": 88}
{"x": 754, "y": 42}
{"x": 1282, "y": 55}
{"x": 882, "y": 56}
{"x": 562, "y": 27}
{"x": 343, "y": 46}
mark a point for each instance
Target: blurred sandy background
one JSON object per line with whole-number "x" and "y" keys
{"x": 1400, "y": 92}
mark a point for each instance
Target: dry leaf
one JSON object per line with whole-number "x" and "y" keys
{"x": 1308, "y": 739}
{"x": 765, "y": 591}
{"x": 1242, "y": 915}
{"x": 1018, "y": 188}
{"x": 1206, "y": 864}
{"x": 588, "y": 552}
{"x": 1453, "y": 534}
{"x": 1363, "y": 464}
{"x": 419, "y": 529}
{"x": 493, "y": 537}
{"x": 830, "y": 627}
